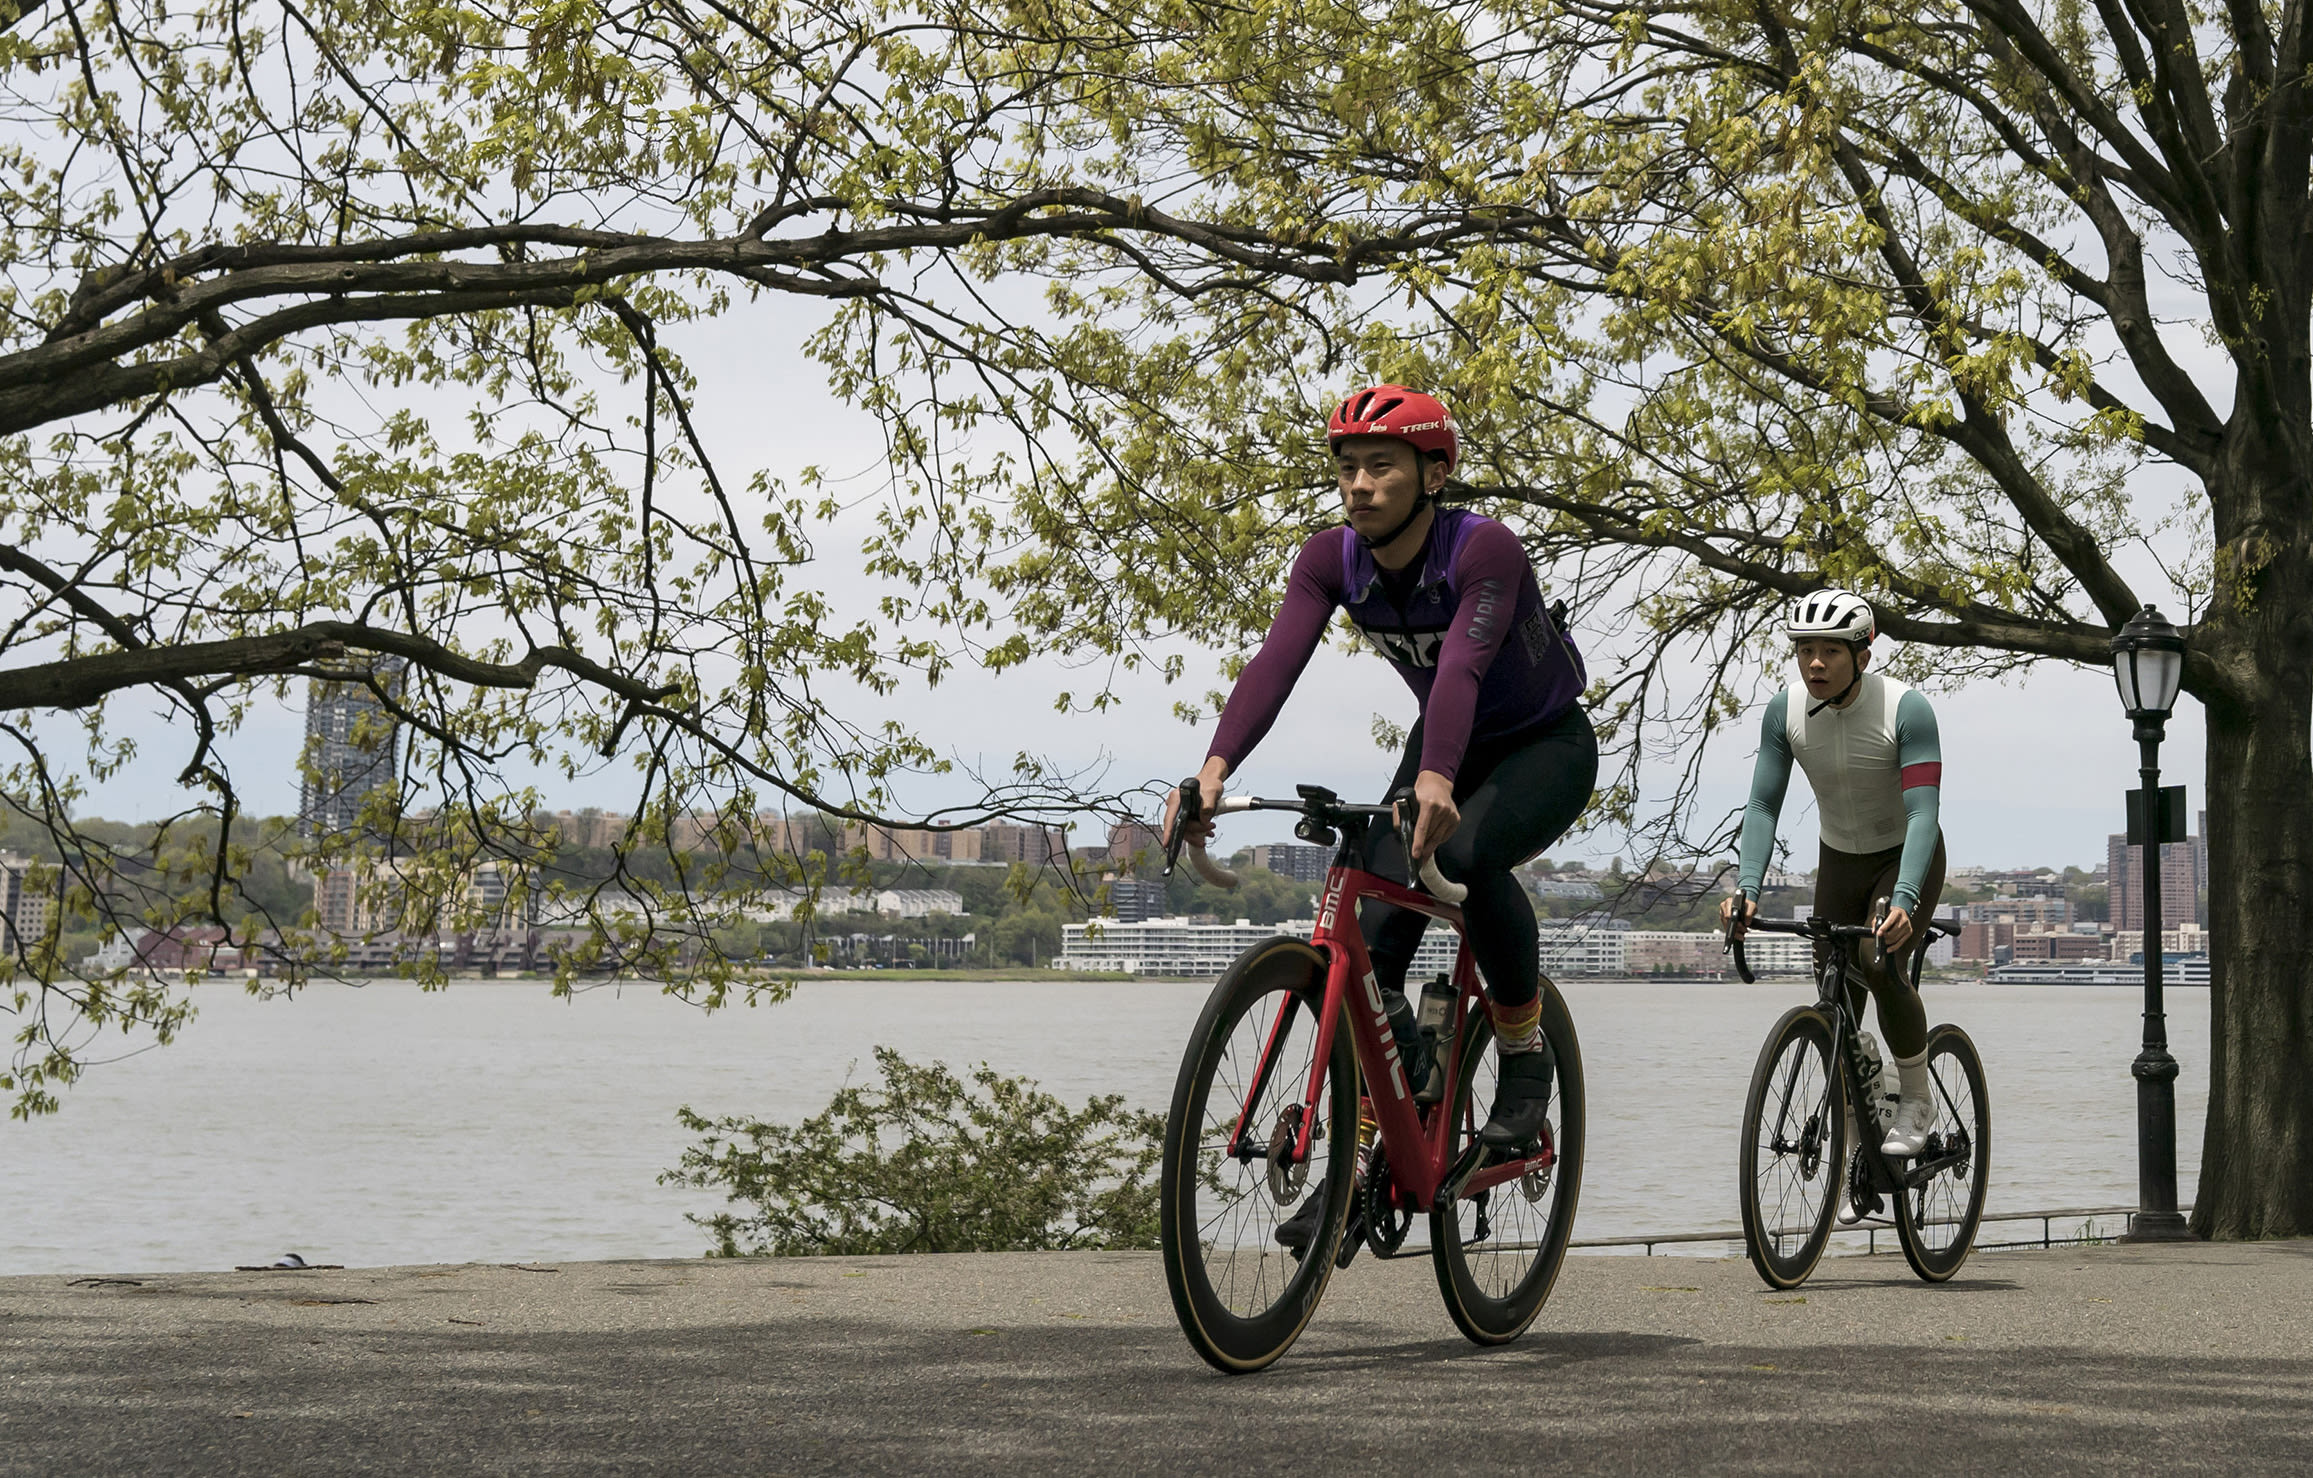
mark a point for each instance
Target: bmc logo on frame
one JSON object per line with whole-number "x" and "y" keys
{"x": 1325, "y": 911}
{"x": 1388, "y": 1037}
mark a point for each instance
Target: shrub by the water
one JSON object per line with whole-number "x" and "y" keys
{"x": 923, "y": 1162}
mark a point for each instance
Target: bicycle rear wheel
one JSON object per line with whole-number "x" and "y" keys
{"x": 1936, "y": 1222}
{"x": 1241, "y": 1298}
{"x": 1792, "y": 1158}
{"x": 1498, "y": 1252}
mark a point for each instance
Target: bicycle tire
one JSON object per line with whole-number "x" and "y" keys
{"x": 1241, "y": 1299}
{"x": 1792, "y": 1149}
{"x": 1936, "y": 1222}
{"x": 1492, "y": 1295}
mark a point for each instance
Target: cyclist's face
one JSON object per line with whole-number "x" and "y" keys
{"x": 1380, "y": 479}
{"x": 1827, "y": 666}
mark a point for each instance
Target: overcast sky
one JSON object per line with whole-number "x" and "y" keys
{"x": 2034, "y": 769}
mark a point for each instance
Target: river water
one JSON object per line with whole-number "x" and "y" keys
{"x": 489, "y": 1122}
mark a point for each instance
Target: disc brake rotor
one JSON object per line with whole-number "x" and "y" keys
{"x": 1811, "y": 1148}
{"x": 1287, "y": 1175}
{"x": 1535, "y": 1184}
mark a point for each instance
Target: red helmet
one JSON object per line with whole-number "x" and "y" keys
{"x": 1408, "y": 415}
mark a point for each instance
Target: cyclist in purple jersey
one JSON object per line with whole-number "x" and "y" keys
{"x": 1501, "y": 761}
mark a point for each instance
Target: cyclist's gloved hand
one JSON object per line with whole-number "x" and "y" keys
{"x": 1894, "y": 929}
{"x": 1209, "y": 781}
{"x": 1737, "y": 924}
{"x": 1436, "y": 815}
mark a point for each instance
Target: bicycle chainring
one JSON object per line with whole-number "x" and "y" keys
{"x": 1386, "y": 1223}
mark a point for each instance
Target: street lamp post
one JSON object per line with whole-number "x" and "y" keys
{"x": 2148, "y": 665}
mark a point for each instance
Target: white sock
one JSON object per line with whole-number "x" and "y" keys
{"x": 1911, "y": 1076}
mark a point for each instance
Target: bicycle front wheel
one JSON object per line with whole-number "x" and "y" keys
{"x": 1936, "y": 1220}
{"x": 1498, "y": 1251}
{"x": 1232, "y": 1174}
{"x": 1792, "y": 1156}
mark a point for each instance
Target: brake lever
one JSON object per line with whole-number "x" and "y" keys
{"x": 1190, "y": 810}
{"x": 1439, "y": 886}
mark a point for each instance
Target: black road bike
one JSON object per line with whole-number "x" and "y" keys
{"x": 1796, "y": 1161}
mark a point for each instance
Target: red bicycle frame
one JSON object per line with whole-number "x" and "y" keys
{"x": 1417, "y": 1137}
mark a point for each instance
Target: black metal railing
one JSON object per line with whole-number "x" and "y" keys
{"x": 2090, "y": 1218}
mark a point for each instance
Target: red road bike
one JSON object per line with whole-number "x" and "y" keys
{"x": 1265, "y": 1113}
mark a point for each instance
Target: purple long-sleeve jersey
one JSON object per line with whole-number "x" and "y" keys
{"x": 1450, "y": 638}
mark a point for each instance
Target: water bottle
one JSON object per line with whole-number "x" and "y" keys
{"x": 1401, "y": 1026}
{"x": 1437, "y": 1033}
{"x": 1878, "y": 1105}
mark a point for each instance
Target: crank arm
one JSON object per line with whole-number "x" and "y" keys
{"x": 1920, "y": 1174}
{"x": 1460, "y": 1173}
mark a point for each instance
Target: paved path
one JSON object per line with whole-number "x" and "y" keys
{"x": 2103, "y": 1360}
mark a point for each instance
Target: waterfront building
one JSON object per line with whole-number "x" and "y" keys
{"x": 25, "y": 908}
{"x": 1584, "y": 947}
{"x": 775, "y": 905}
{"x": 2182, "y": 877}
{"x": 919, "y": 903}
{"x": 2056, "y": 946}
{"x": 2034, "y": 912}
{"x": 2176, "y": 970}
{"x": 352, "y": 750}
{"x": 1034, "y": 845}
{"x": 1576, "y": 888}
{"x": 1134, "y": 901}
{"x": 1135, "y": 844}
{"x": 1303, "y": 864}
{"x": 2185, "y": 939}
{"x": 1569, "y": 947}
{"x": 1197, "y": 951}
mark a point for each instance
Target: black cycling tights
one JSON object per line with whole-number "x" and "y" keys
{"x": 1517, "y": 796}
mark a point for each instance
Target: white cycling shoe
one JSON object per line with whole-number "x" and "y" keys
{"x": 1908, "y": 1135}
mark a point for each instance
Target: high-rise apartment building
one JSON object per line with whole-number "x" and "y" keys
{"x": 1135, "y": 901}
{"x": 352, "y": 751}
{"x": 1303, "y": 864}
{"x": 1003, "y": 841}
{"x": 2182, "y": 877}
{"x": 24, "y": 910}
{"x": 1135, "y": 844}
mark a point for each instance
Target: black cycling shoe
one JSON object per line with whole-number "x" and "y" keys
{"x": 1297, "y": 1231}
{"x": 1352, "y": 1235}
{"x": 1521, "y": 1102}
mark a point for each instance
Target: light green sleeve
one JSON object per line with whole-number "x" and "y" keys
{"x": 1919, "y": 752}
{"x": 1770, "y": 778}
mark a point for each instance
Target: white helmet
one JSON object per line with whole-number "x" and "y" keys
{"x": 1832, "y": 613}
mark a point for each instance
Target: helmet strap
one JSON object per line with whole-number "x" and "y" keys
{"x": 1841, "y": 696}
{"x": 1383, "y": 541}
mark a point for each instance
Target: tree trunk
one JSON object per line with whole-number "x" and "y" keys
{"x": 2257, "y": 1153}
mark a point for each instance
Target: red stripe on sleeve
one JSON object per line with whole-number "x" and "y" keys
{"x": 1929, "y": 773}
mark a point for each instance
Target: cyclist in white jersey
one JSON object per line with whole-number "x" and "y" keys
{"x": 1871, "y": 752}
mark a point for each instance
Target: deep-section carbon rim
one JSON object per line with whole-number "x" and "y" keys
{"x": 1936, "y": 1222}
{"x": 1793, "y": 1161}
{"x": 1242, "y": 1299}
{"x": 1497, "y": 1254}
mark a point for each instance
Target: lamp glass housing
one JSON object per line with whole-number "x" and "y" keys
{"x": 2148, "y": 665}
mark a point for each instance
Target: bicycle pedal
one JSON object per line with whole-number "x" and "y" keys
{"x": 1465, "y": 1166}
